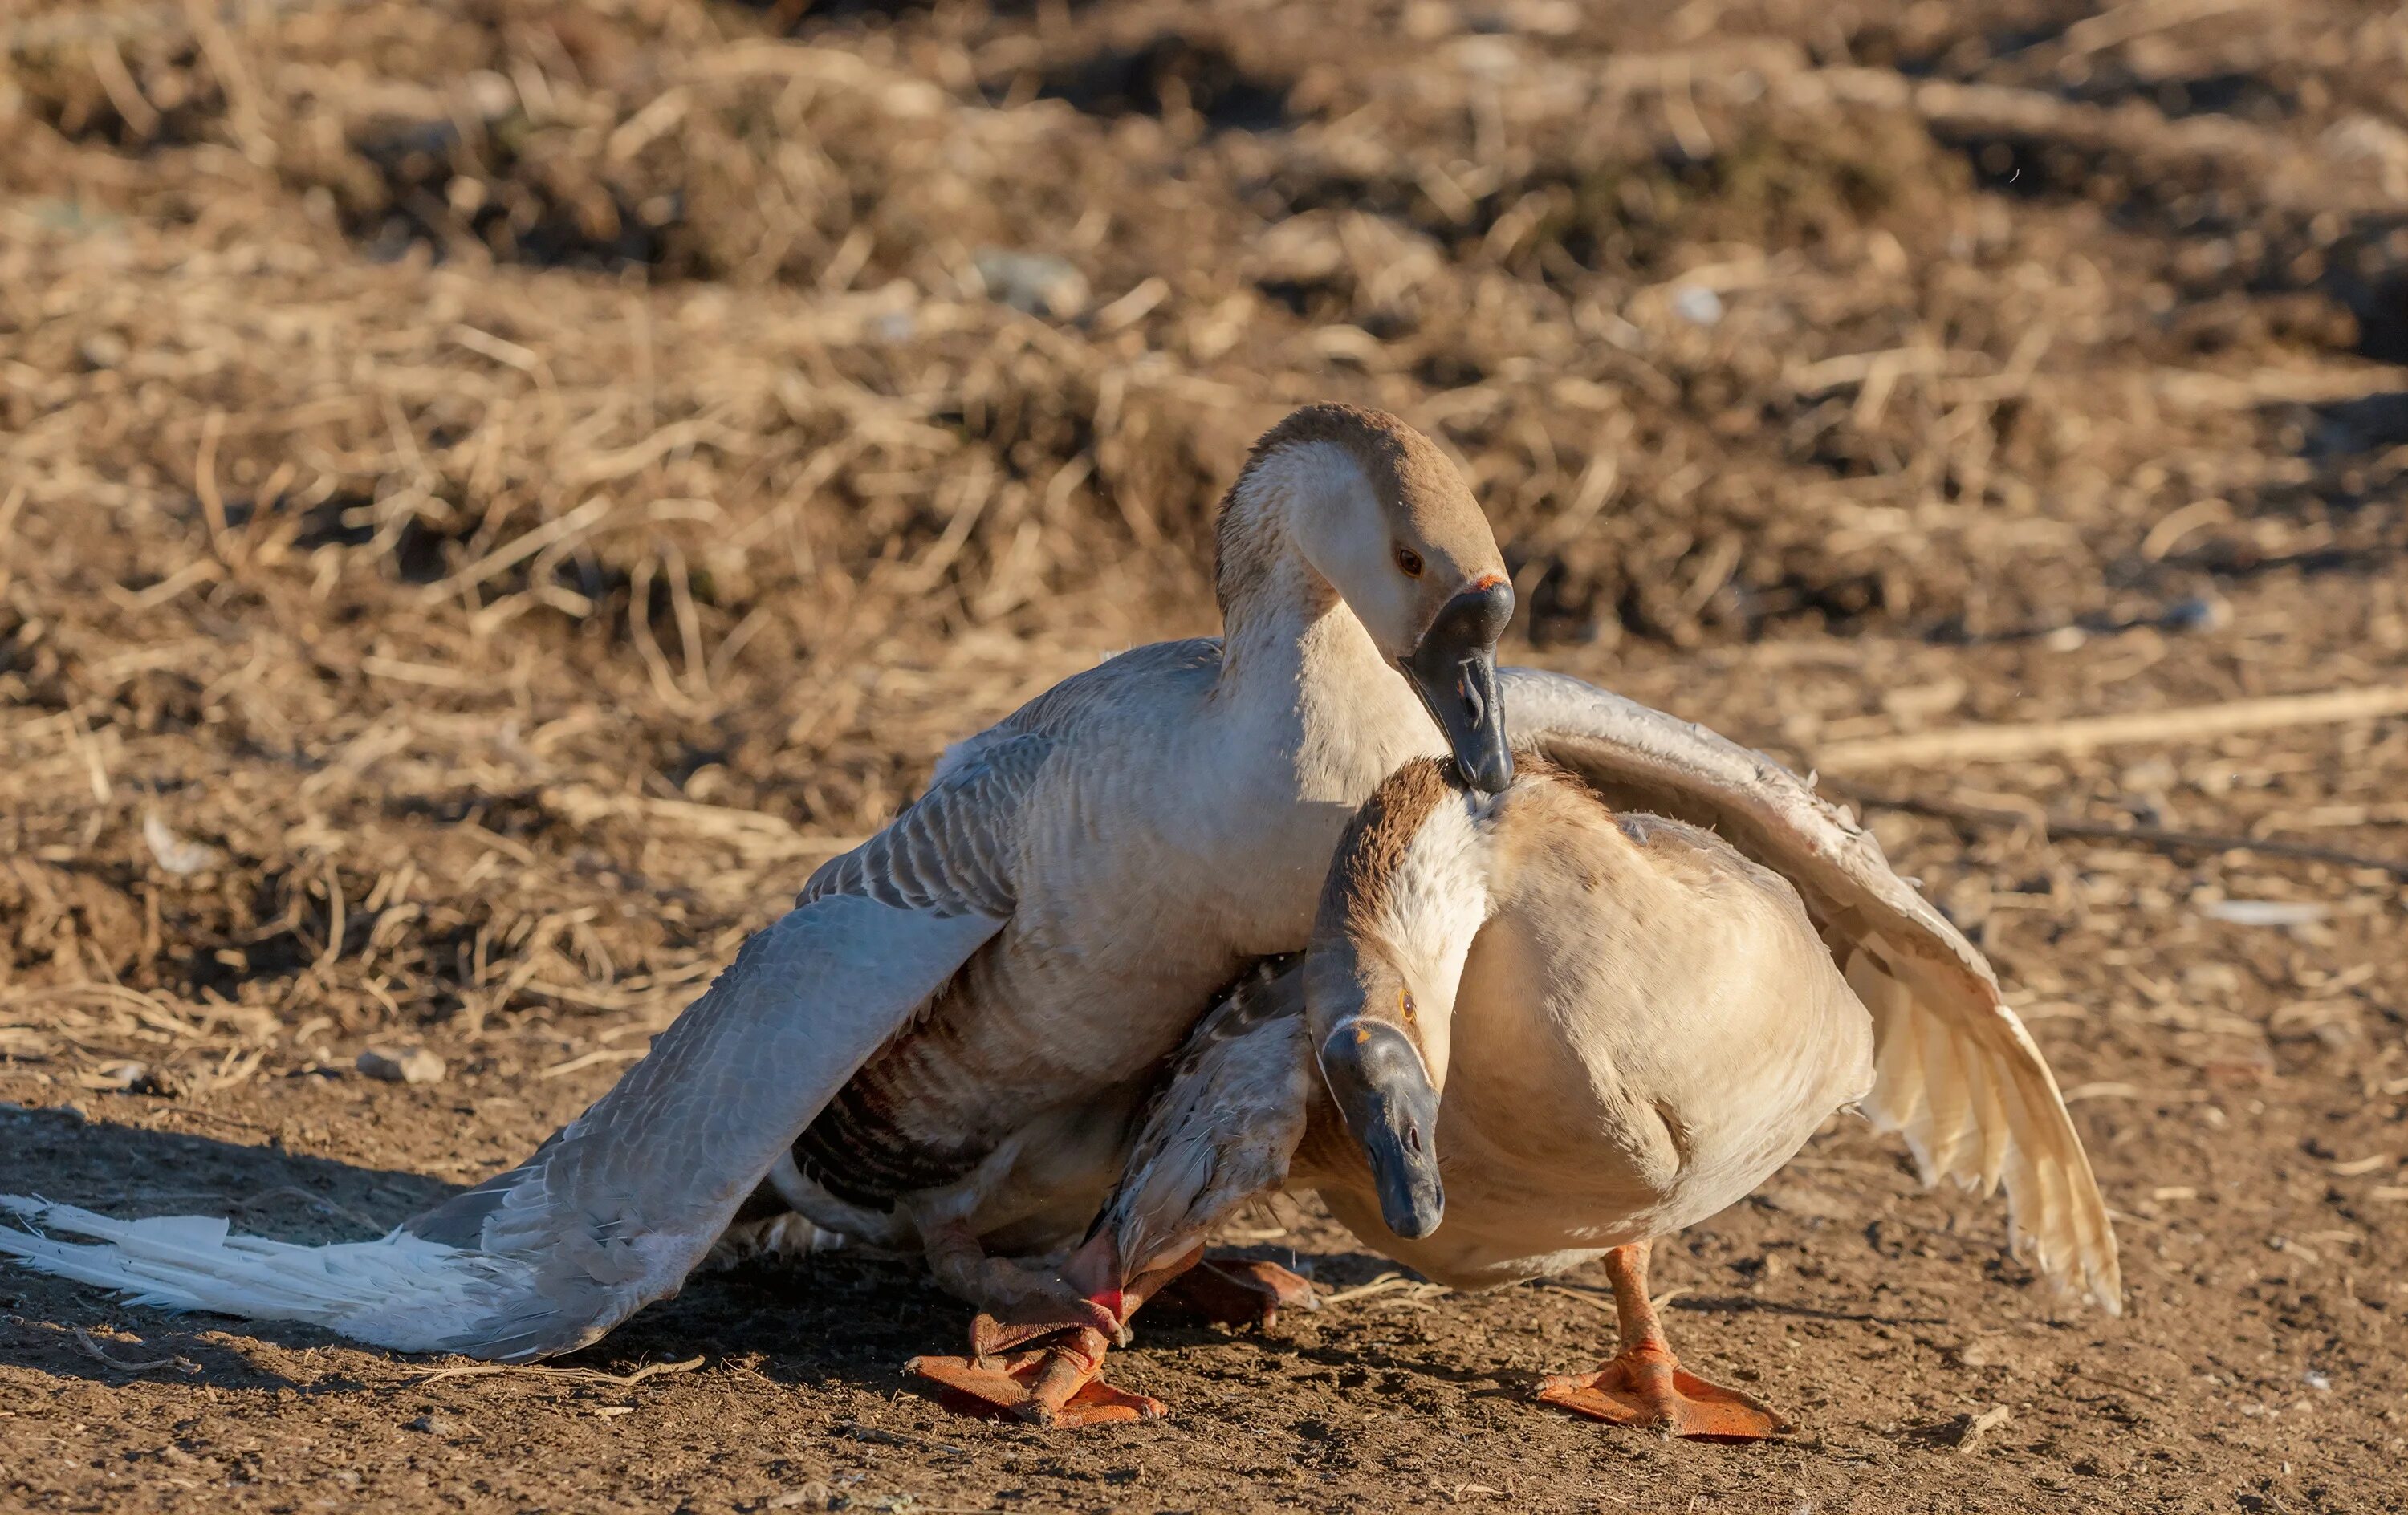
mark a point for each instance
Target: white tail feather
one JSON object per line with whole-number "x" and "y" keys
{"x": 399, "y": 1291}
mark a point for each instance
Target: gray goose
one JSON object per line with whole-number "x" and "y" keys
{"x": 935, "y": 1049}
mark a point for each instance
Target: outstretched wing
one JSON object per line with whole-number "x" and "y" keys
{"x": 1955, "y": 1070}
{"x": 617, "y": 1206}
{"x": 1224, "y": 1125}
{"x": 616, "y": 1209}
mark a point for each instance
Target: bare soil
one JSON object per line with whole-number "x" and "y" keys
{"x": 493, "y": 490}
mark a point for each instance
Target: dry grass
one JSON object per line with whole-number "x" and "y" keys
{"x": 491, "y": 491}
{"x": 515, "y": 482}
{"x": 512, "y": 483}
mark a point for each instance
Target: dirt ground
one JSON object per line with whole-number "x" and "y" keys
{"x": 493, "y": 490}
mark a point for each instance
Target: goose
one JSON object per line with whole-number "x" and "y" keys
{"x": 1533, "y": 1030}
{"x": 936, "y": 1048}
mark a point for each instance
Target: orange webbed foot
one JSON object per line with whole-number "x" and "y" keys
{"x": 1648, "y": 1386}
{"x": 1057, "y": 1386}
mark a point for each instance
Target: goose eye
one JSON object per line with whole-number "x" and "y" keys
{"x": 1405, "y": 1004}
{"x": 1410, "y": 561}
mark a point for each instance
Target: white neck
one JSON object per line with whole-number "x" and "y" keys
{"x": 1301, "y": 677}
{"x": 1437, "y": 901}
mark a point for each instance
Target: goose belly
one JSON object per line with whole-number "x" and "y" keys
{"x": 1031, "y": 1192}
{"x": 1017, "y": 1039}
{"x": 1625, "y": 1073}
{"x": 1509, "y": 1220}
{"x": 1505, "y": 1224}
{"x": 1120, "y": 939}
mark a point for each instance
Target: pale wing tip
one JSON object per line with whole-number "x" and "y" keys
{"x": 2075, "y": 1267}
{"x": 1885, "y": 1119}
{"x": 35, "y": 1213}
{"x": 2094, "y": 1279}
{"x": 2104, "y": 1274}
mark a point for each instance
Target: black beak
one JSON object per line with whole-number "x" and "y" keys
{"x": 1392, "y": 1111}
{"x": 1454, "y": 672}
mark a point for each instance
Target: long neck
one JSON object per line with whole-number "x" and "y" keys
{"x": 1297, "y": 666}
{"x": 1407, "y": 891}
{"x": 1436, "y": 905}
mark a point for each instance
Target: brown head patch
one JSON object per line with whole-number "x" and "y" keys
{"x": 1396, "y": 458}
{"x": 1356, "y": 895}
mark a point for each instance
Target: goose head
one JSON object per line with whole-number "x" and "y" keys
{"x": 1379, "y": 513}
{"x": 1406, "y": 894}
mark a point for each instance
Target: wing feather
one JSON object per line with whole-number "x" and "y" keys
{"x": 1955, "y": 1070}
{"x": 1947, "y": 1086}
{"x": 617, "y": 1209}
{"x": 1222, "y": 1127}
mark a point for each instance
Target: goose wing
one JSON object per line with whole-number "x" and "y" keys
{"x": 1224, "y": 1125}
{"x": 1955, "y": 1070}
{"x": 617, "y": 1207}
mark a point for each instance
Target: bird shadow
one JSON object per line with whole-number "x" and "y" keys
{"x": 1745, "y": 1305}
{"x": 830, "y": 1319}
{"x": 67, "y": 1330}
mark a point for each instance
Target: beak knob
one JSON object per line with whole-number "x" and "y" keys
{"x": 1383, "y": 1091}
{"x": 1454, "y": 670}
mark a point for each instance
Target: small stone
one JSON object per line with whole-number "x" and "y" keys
{"x": 488, "y": 95}
{"x": 1697, "y": 305}
{"x": 160, "y": 1083}
{"x": 174, "y": 853}
{"x": 2267, "y": 912}
{"x": 406, "y": 1065}
{"x": 1036, "y": 283}
{"x": 103, "y": 350}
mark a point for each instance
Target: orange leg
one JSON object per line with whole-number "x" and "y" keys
{"x": 1644, "y": 1384}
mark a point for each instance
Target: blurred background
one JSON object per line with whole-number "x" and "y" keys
{"x": 491, "y": 492}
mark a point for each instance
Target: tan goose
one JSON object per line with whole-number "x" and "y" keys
{"x": 1564, "y": 1030}
{"x": 937, "y": 1048}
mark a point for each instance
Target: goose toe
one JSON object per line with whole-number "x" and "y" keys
{"x": 1647, "y": 1388}
{"x": 1055, "y": 1387}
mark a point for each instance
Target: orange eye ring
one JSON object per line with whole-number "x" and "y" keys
{"x": 1405, "y": 1006}
{"x": 1408, "y": 561}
